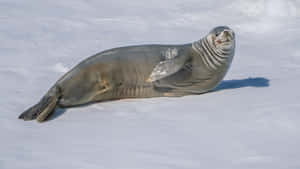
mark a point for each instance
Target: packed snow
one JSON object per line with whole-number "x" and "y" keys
{"x": 251, "y": 121}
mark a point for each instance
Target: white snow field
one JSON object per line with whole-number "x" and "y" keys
{"x": 251, "y": 121}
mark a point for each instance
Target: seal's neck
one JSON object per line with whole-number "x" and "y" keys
{"x": 212, "y": 57}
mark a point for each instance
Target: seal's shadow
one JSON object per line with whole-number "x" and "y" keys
{"x": 58, "y": 112}
{"x": 225, "y": 84}
{"x": 248, "y": 82}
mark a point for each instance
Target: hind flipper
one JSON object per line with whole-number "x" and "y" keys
{"x": 50, "y": 105}
{"x": 31, "y": 113}
{"x": 44, "y": 108}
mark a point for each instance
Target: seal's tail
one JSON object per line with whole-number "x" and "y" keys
{"x": 46, "y": 106}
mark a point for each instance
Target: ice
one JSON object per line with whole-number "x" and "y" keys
{"x": 250, "y": 121}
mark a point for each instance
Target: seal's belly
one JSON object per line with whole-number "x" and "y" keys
{"x": 135, "y": 92}
{"x": 129, "y": 80}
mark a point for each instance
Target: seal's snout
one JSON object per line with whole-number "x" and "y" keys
{"x": 228, "y": 34}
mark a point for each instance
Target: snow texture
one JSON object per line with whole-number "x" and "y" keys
{"x": 251, "y": 121}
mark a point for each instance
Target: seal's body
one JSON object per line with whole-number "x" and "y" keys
{"x": 114, "y": 74}
{"x": 142, "y": 71}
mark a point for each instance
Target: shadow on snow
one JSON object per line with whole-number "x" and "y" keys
{"x": 248, "y": 82}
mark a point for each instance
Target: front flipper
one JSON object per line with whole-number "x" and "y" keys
{"x": 164, "y": 69}
{"x": 173, "y": 63}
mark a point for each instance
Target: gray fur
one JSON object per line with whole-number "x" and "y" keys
{"x": 141, "y": 72}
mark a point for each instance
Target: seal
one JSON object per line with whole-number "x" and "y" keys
{"x": 142, "y": 72}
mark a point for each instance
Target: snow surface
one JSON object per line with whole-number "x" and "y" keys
{"x": 251, "y": 121}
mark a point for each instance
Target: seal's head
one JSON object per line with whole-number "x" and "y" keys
{"x": 222, "y": 38}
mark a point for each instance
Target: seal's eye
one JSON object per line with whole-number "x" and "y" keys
{"x": 217, "y": 33}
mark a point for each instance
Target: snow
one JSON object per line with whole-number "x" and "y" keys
{"x": 252, "y": 120}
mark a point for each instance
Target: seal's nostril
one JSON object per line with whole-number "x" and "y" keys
{"x": 226, "y": 32}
